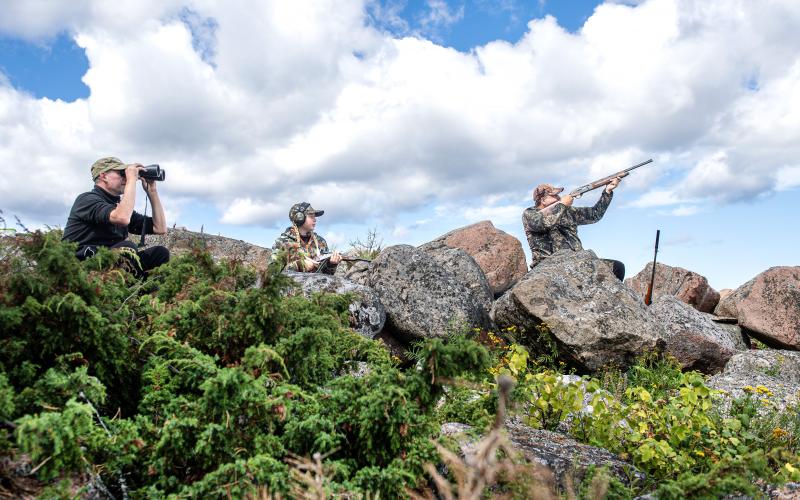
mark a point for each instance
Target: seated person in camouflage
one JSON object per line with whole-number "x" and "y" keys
{"x": 103, "y": 216}
{"x": 301, "y": 245}
{"x": 552, "y": 223}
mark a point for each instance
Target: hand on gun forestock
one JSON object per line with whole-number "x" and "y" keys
{"x": 614, "y": 183}
{"x": 309, "y": 264}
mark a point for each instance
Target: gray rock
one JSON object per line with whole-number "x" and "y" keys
{"x": 740, "y": 339}
{"x": 568, "y": 459}
{"x": 697, "y": 342}
{"x": 461, "y": 265}
{"x": 353, "y": 271}
{"x": 367, "y": 314}
{"x": 498, "y": 254}
{"x": 594, "y": 319}
{"x": 775, "y": 370}
{"x": 180, "y": 241}
{"x": 422, "y": 299}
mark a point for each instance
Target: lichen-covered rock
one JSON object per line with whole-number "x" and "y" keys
{"x": 686, "y": 285}
{"x": 727, "y": 305}
{"x": 697, "y": 342}
{"x": 367, "y": 314}
{"x": 594, "y": 319}
{"x": 181, "y": 240}
{"x": 353, "y": 271}
{"x": 498, "y": 254}
{"x": 568, "y": 459}
{"x": 422, "y": 299}
{"x": 461, "y": 265}
{"x": 769, "y": 374}
{"x": 768, "y": 307}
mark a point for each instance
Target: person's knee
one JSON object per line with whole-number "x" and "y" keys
{"x": 619, "y": 270}
{"x": 124, "y": 244}
{"x": 617, "y": 267}
{"x": 154, "y": 257}
{"x": 161, "y": 255}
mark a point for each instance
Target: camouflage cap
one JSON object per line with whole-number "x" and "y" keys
{"x": 543, "y": 190}
{"x": 106, "y": 164}
{"x": 305, "y": 209}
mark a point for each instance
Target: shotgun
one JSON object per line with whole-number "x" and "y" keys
{"x": 648, "y": 296}
{"x": 578, "y": 192}
{"x": 324, "y": 261}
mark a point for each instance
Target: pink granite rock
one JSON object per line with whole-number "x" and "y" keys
{"x": 498, "y": 254}
{"x": 768, "y": 307}
{"x": 686, "y": 285}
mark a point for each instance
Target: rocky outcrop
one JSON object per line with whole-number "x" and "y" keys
{"x": 594, "y": 319}
{"x": 422, "y": 299}
{"x": 461, "y": 265}
{"x": 687, "y": 286}
{"x": 772, "y": 376}
{"x": 353, "y": 271}
{"x": 768, "y": 307}
{"x": 498, "y": 254}
{"x": 697, "y": 342}
{"x": 180, "y": 241}
{"x": 568, "y": 459}
{"x": 367, "y": 314}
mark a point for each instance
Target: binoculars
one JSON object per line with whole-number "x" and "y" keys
{"x": 153, "y": 172}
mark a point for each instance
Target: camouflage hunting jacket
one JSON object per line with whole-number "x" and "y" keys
{"x": 295, "y": 247}
{"x": 557, "y": 228}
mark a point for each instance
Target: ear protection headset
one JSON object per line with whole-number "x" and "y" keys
{"x": 299, "y": 217}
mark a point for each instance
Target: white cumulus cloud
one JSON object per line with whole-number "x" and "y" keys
{"x": 254, "y": 105}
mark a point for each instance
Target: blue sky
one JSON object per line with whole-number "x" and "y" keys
{"x": 418, "y": 117}
{"x": 53, "y": 66}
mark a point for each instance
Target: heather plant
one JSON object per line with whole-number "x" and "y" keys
{"x": 52, "y": 306}
{"x": 211, "y": 379}
{"x": 205, "y": 379}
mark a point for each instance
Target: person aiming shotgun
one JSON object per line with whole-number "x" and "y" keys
{"x": 552, "y": 223}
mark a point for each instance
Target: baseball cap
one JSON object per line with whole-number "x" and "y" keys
{"x": 106, "y": 164}
{"x": 543, "y": 190}
{"x": 304, "y": 208}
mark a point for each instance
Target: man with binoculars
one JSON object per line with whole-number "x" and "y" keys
{"x": 105, "y": 215}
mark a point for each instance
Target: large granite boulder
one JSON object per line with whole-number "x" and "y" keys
{"x": 367, "y": 314}
{"x": 769, "y": 375}
{"x": 353, "y": 271}
{"x": 498, "y": 254}
{"x": 768, "y": 307}
{"x": 180, "y": 241}
{"x": 594, "y": 319}
{"x": 422, "y": 299}
{"x": 687, "y": 286}
{"x": 461, "y": 265}
{"x": 693, "y": 338}
{"x": 568, "y": 459}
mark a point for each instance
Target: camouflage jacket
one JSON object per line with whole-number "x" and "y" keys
{"x": 557, "y": 228}
{"x": 295, "y": 247}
